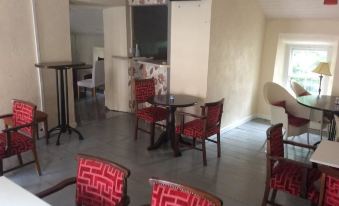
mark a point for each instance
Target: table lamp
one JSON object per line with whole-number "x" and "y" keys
{"x": 323, "y": 69}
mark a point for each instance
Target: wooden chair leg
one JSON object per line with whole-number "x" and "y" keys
{"x": 20, "y": 159}
{"x": 218, "y": 144}
{"x": 136, "y": 128}
{"x": 204, "y": 152}
{"x": 37, "y": 164}
{"x": 78, "y": 93}
{"x": 152, "y": 133}
{"x": 46, "y": 131}
{"x": 1, "y": 167}
{"x": 266, "y": 194}
{"x": 274, "y": 194}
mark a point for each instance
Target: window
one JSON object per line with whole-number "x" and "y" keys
{"x": 301, "y": 61}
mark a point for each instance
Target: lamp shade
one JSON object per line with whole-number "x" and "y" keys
{"x": 323, "y": 68}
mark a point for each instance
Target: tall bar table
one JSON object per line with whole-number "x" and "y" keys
{"x": 61, "y": 69}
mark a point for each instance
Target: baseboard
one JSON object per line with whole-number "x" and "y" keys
{"x": 237, "y": 123}
{"x": 263, "y": 116}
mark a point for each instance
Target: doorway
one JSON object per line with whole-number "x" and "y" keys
{"x": 87, "y": 42}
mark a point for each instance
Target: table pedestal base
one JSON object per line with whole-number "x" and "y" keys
{"x": 65, "y": 129}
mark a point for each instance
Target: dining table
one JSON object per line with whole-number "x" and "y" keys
{"x": 12, "y": 194}
{"x": 325, "y": 103}
{"x": 171, "y": 102}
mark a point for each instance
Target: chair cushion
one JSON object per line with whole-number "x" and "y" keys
{"x": 88, "y": 83}
{"x": 165, "y": 195}
{"x": 152, "y": 114}
{"x": 288, "y": 177}
{"x": 297, "y": 121}
{"x": 19, "y": 143}
{"x": 195, "y": 129}
{"x": 331, "y": 194}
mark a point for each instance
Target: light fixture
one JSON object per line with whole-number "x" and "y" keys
{"x": 323, "y": 69}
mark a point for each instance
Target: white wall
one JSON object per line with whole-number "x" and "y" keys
{"x": 117, "y": 92}
{"x": 276, "y": 28}
{"x": 19, "y": 77}
{"x": 55, "y": 45}
{"x": 237, "y": 33}
{"x": 189, "y": 46}
{"x": 83, "y": 44}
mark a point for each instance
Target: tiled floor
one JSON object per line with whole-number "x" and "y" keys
{"x": 237, "y": 177}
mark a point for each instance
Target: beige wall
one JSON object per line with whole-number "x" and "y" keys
{"x": 19, "y": 78}
{"x": 274, "y": 29}
{"x": 117, "y": 92}
{"x": 235, "y": 54}
{"x": 55, "y": 45}
{"x": 189, "y": 46}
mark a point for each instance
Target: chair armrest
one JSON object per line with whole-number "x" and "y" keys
{"x": 5, "y": 116}
{"x": 57, "y": 187}
{"x": 13, "y": 129}
{"x": 191, "y": 115}
{"x": 300, "y": 144}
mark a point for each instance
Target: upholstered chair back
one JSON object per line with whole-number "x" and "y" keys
{"x": 169, "y": 193}
{"x": 24, "y": 113}
{"x": 144, "y": 89}
{"x": 100, "y": 182}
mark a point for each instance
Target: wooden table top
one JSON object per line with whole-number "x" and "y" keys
{"x": 322, "y": 102}
{"x": 174, "y": 100}
{"x": 58, "y": 65}
{"x": 12, "y": 194}
{"x": 327, "y": 154}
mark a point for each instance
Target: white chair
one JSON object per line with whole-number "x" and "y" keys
{"x": 98, "y": 78}
{"x": 316, "y": 116}
{"x": 286, "y": 110}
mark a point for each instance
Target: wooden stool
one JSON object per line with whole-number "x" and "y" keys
{"x": 40, "y": 117}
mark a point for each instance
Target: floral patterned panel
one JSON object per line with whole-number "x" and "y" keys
{"x": 147, "y": 71}
{"x": 147, "y": 2}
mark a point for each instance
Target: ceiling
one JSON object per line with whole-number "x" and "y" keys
{"x": 314, "y": 9}
{"x": 101, "y": 3}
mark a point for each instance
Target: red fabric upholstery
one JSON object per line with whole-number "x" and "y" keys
{"x": 331, "y": 195}
{"x": 19, "y": 143}
{"x": 304, "y": 94}
{"x": 288, "y": 177}
{"x": 163, "y": 195}
{"x": 152, "y": 114}
{"x": 23, "y": 114}
{"x": 195, "y": 129}
{"x": 276, "y": 142}
{"x": 98, "y": 183}
{"x": 297, "y": 121}
{"x": 144, "y": 89}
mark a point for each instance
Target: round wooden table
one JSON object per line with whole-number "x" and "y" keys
{"x": 324, "y": 103}
{"x": 172, "y": 102}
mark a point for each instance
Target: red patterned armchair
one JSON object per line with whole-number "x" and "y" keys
{"x": 169, "y": 193}
{"x": 295, "y": 178}
{"x": 145, "y": 89}
{"x": 329, "y": 192}
{"x": 99, "y": 182}
{"x": 21, "y": 136}
{"x": 203, "y": 126}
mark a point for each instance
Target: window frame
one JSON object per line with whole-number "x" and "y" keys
{"x": 311, "y": 47}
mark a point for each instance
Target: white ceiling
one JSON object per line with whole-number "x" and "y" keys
{"x": 314, "y": 9}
